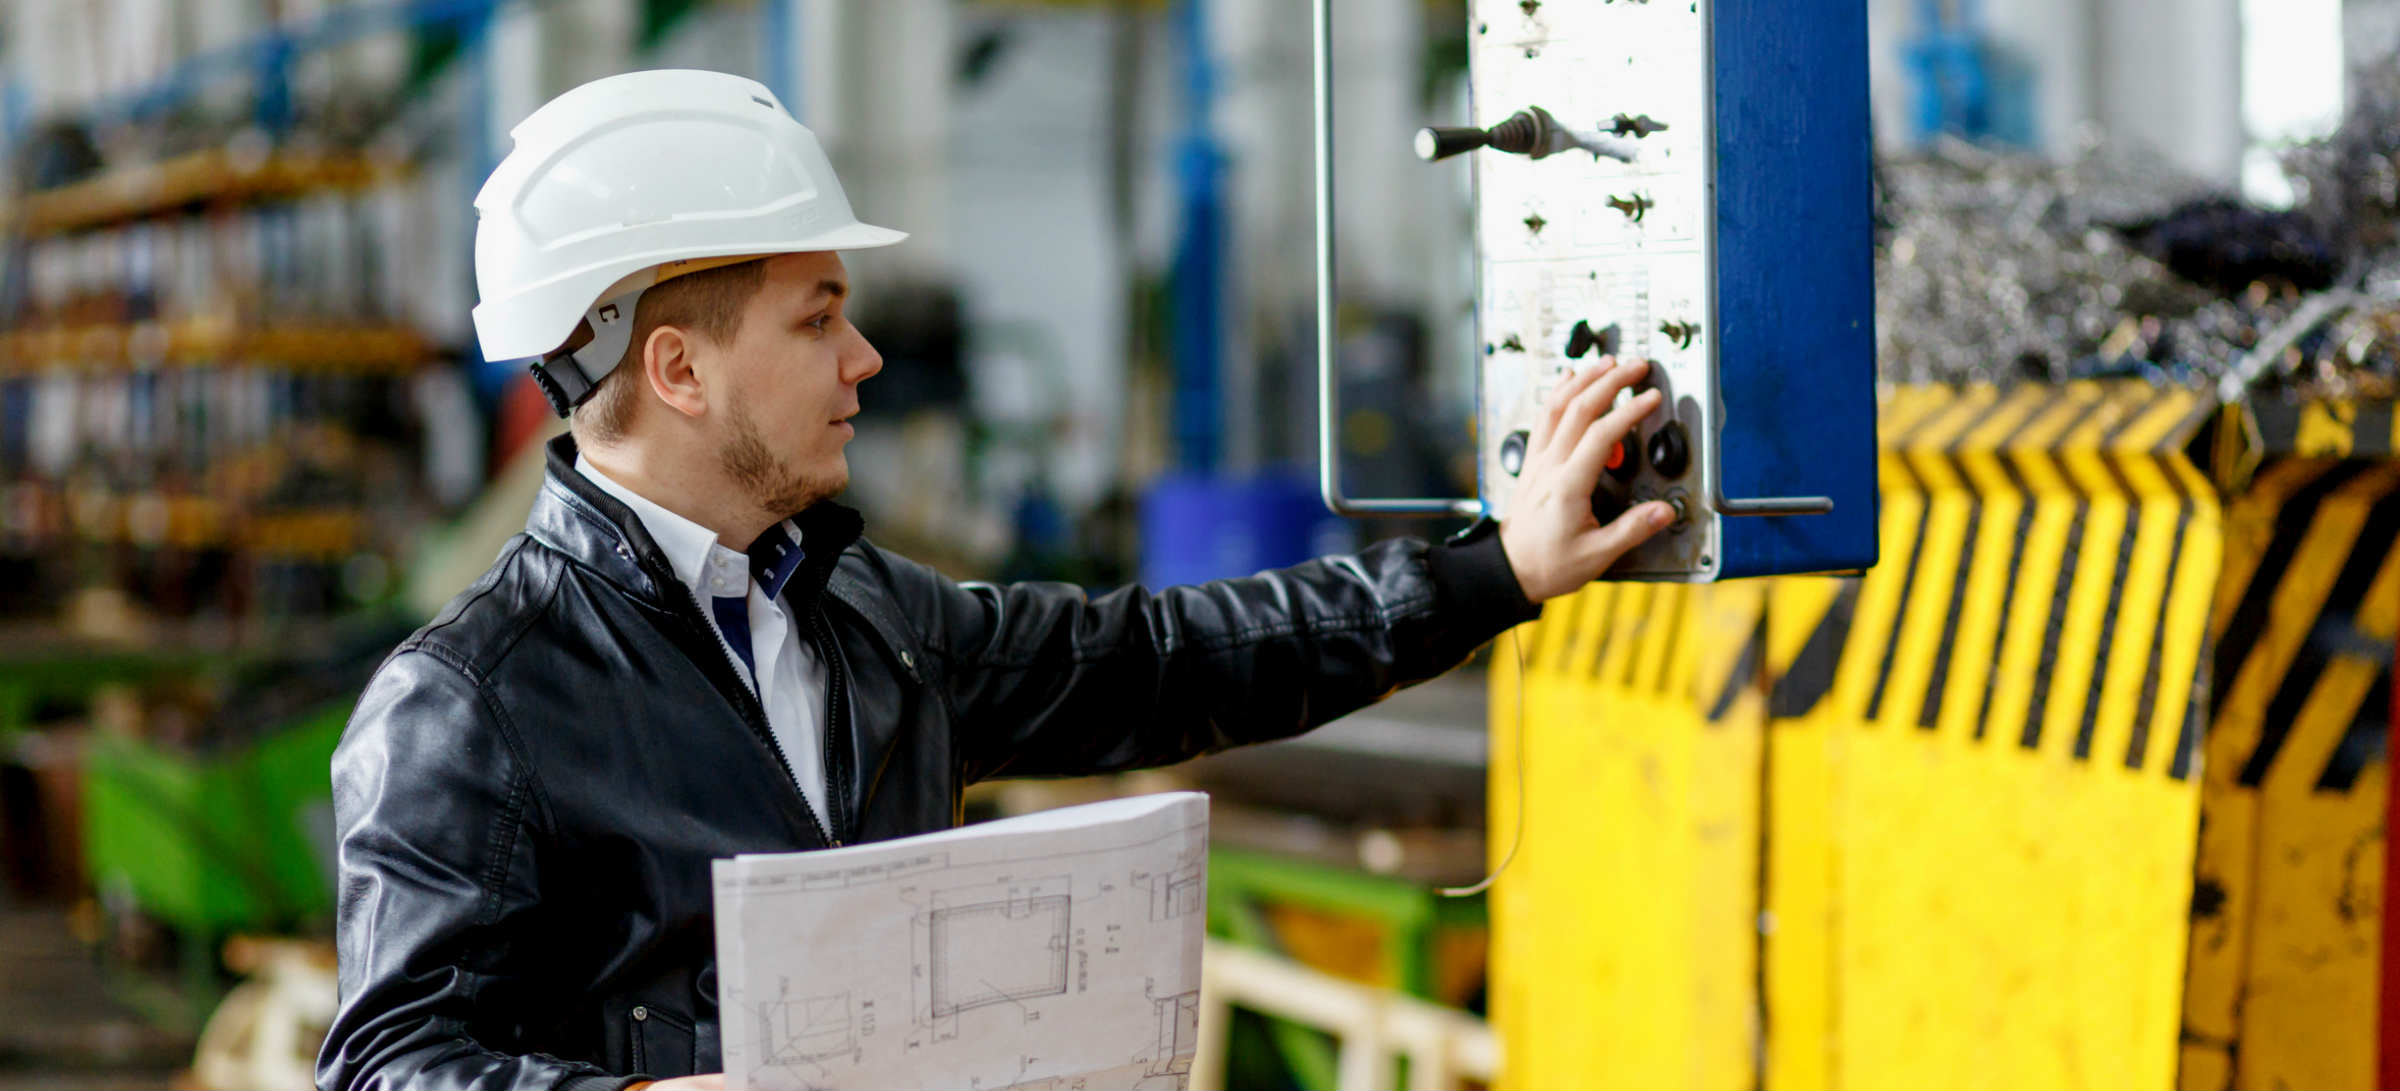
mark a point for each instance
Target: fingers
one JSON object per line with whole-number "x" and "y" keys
{"x": 1545, "y": 424}
{"x": 1576, "y": 424}
{"x": 1576, "y": 416}
{"x": 1639, "y": 524}
{"x": 1591, "y": 450}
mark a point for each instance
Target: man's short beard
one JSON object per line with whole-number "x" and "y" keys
{"x": 773, "y": 486}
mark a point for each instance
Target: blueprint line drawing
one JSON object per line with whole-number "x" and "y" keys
{"x": 1026, "y": 952}
{"x": 1178, "y": 1034}
{"x": 809, "y": 1029}
{"x": 1175, "y": 894}
{"x": 987, "y": 950}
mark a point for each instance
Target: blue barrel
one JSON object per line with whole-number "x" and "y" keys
{"x": 1196, "y": 529}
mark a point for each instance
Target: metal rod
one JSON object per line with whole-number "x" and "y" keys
{"x": 1781, "y": 505}
{"x": 1329, "y": 454}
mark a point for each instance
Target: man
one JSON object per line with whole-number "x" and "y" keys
{"x": 692, "y": 653}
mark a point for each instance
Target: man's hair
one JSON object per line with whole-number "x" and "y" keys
{"x": 709, "y": 303}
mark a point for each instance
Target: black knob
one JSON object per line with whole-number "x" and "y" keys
{"x": 1512, "y": 453}
{"x": 1438, "y": 142}
{"x": 1670, "y": 450}
{"x": 1583, "y": 339}
{"x": 1521, "y": 134}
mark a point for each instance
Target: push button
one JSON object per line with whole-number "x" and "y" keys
{"x": 1512, "y": 453}
{"x": 1670, "y": 450}
{"x": 1682, "y": 503}
{"x": 1607, "y": 505}
{"x": 1624, "y": 460}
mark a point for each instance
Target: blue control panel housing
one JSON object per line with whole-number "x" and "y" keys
{"x": 1721, "y": 226}
{"x": 1795, "y": 275}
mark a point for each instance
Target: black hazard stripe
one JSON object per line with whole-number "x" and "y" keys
{"x": 1675, "y": 611}
{"x": 2108, "y": 619}
{"x": 2365, "y": 743}
{"x": 2187, "y": 741}
{"x": 1908, "y": 584}
{"x": 2328, "y": 638}
{"x": 2139, "y": 744}
{"x": 2115, "y": 459}
{"x": 2168, "y": 449}
{"x": 1592, "y": 623}
{"x": 2249, "y": 622}
{"x": 1917, "y": 544}
{"x": 1938, "y": 684}
{"x": 2030, "y": 734}
{"x": 1810, "y": 677}
{"x": 1644, "y": 630}
{"x": 1745, "y": 669}
{"x": 1930, "y": 715}
{"x": 2016, "y": 567}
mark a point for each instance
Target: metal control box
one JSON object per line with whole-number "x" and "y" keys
{"x": 1707, "y": 204}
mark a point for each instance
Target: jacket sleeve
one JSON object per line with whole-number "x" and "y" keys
{"x": 436, "y": 893}
{"x": 1047, "y": 682}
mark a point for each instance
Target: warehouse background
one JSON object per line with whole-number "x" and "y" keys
{"x": 2140, "y": 328}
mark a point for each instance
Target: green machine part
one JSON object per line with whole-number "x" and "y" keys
{"x": 217, "y": 843}
{"x": 1408, "y": 918}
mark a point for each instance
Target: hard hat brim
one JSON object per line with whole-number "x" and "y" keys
{"x": 566, "y": 297}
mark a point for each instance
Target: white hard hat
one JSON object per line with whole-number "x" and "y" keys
{"x": 628, "y": 180}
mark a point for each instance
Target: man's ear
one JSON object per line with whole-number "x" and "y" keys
{"x": 668, "y": 364}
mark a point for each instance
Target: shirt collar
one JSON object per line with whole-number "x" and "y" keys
{"x": 689, "y": 546}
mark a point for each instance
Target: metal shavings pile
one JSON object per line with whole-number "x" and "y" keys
{"x": 2001, "y": 268}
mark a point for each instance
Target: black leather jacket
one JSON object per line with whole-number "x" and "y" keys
{"x": 532, "y": 787}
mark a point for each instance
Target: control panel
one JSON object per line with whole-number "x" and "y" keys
{"x": 1685, "y": 181}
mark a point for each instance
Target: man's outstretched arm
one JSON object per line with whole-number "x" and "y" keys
{"x": 1046, "y": 681}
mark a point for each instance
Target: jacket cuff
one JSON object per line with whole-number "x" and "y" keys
{"x": 602, "y": 1083}
{"x": 1474, "y": 584}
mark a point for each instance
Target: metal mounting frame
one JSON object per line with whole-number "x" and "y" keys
{"x": 1329, "y": 466}
{"x": 1329, "y": 455}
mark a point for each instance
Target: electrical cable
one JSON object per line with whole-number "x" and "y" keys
{"x": 1516, "y": 833}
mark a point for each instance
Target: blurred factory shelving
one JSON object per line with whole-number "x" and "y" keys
{"x": 211, "y": 177}
{"x": 233, "y": 396}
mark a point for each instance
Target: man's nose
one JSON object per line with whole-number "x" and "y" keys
{"x": 861, "y": 362}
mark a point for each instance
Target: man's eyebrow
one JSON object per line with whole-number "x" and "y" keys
{"x": 833, "y": 289}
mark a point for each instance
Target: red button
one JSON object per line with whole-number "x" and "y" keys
{"x": 1616, "y": 455}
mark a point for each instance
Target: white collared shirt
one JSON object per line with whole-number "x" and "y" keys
{"x": 791, "y": 682}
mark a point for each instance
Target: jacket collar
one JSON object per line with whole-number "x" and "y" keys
{"x": 580, "y": 519}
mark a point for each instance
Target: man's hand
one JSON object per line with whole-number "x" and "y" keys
{"x": 1550, "y": 536}
{"x": 713, "y": 1081}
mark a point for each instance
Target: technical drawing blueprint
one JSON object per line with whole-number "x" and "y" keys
{"x": 1055, "y": 950}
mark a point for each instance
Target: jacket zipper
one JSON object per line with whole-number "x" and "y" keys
{"x": 754, "y": 716}
{"x": 837, "y": 709}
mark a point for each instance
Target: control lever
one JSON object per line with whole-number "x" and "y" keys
{"x": 1531, "y": 132}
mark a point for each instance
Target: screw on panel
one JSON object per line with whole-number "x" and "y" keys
{"x": 1638, "y": 127}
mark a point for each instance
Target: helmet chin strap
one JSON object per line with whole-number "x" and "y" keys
{"x": 568, "y": 377}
